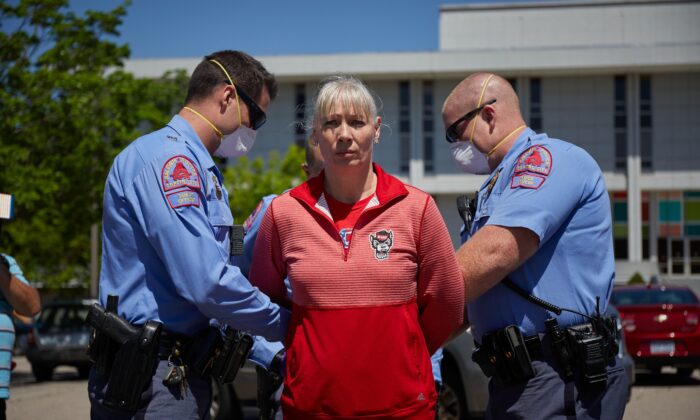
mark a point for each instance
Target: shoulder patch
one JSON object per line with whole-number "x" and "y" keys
{"x": 527, "y": 181}
{"x": 536, "y": 159}
{"x": 179, "y": 172}
{"x": 249, "y": 221}
{"x": 183, "y": 198}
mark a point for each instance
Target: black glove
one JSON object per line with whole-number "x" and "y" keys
{"x": 269, "y": 381}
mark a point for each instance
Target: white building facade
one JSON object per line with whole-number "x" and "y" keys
{"x": 619, "y": 78}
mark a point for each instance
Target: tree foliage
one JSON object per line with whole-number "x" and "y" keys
{"x": 250, "y": 180}
{"x": 66, "y": 110}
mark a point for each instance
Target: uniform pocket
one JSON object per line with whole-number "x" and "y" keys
{"x": 221, "y": 220}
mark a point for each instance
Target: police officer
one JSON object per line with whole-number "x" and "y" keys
{"x": 543, "y": 220}
{"x": 167, "y": 227}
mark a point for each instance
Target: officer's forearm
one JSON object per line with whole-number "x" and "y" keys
{"x": 491, "y": 254}
{"x": 23, "y": 298}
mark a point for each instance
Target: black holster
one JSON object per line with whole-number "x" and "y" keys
{"x": 131, "y": 355}
{"x": 504, "y": 355}
{"x": 232, "y": 355}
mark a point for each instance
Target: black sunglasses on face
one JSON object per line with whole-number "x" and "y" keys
{"x": 257, "y": 115}
{"x": 451, "y": 135}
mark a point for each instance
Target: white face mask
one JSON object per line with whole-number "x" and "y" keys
{"x": 469, "y": 158}
{"x": 237, "y": 143}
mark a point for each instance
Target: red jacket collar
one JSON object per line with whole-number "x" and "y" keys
{"x": 388, "y": 188}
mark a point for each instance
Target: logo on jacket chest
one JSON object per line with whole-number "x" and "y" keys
{"x": 381, "y": 243}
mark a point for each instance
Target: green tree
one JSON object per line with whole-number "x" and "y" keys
{"x": 66, "y": 109}
{"x": 251, "y": 180}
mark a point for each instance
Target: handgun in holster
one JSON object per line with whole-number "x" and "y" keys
{"x": 135, "y": 359}
{"x": 231, "y": 356}
{"x": 101, "y": 349}
{"x": 505, "y": 356}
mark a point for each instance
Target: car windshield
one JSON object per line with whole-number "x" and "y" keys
{"x": 63, "y": 318}
{"x": 652, "y": 296}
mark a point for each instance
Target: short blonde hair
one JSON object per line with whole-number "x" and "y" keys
{"x": 347, "y": 91}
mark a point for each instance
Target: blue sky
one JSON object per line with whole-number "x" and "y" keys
{"x": 180, "y": 28}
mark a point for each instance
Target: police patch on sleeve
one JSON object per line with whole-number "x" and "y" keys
{"x": 249, "y": 221}
{"x": 536, "y": 159}
{"x": 526, "y": 181}
{"x": 179, "y": 172}
{"x": 183, "y": 198}
{"x": 381, "y": 242}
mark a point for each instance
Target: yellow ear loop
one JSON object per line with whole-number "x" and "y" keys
{"x": 478, "y": 104}
{"x": 503, "y": 139}
{"x": 221, "y": 136}
{"x": 234, "y": 89}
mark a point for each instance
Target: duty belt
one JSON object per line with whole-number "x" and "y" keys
{"x": 507, "y": 355}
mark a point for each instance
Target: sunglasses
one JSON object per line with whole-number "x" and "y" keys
{"x": 257, "y": 115}
{"x": 452, "y": 135}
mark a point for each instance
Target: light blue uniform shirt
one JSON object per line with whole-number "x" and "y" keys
{"x": 556, "y": 190}
{"x": 165, "y": 249}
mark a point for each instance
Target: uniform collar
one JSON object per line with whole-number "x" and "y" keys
{"x": 520, "y": 144}
{"x": 388, "y": 188}
{"x": 184, "y": 129}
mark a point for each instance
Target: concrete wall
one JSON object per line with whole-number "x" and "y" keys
{"x": 576, "y": 25}
{"x": 580, "y": 110}
{"x": 675, "y": 121}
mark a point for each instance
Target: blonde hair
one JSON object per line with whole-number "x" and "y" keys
{"x": 347, "y": 91}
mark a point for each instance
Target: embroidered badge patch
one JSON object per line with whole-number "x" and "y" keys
{"x": 249, "y": 221}
{"x": 217, "y": 186}
{"x": 381, "y": 242}
{"x": 527, "y": 181}
{"x": 536, "y": 159}
{"x": 179, "y": 172}
{"x": 345, "y": 235}
{"x": 183, "y": 198}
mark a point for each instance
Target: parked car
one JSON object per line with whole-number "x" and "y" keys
{"x": 661, "y": 325}
{"x": 59, "y": 337}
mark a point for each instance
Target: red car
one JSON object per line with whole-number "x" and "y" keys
{"x": 661, "y": 325}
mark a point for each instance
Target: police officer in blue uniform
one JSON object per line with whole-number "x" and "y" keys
{"x": 167, "y": 231}
{"x": 542, "y": 220}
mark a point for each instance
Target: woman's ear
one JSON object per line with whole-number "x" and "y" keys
{"x": 377, "y": 130}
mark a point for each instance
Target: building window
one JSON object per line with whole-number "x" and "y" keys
{"x": 620, "y": 122}
{"x": 620, "y": 228}
{"x": 536, "y": 103}
{"x": 428, "y": 127}
{"x": 404, "y": 126}
{"x": 645, "y": 121}
{"x": 299, "y": 113}
{"x": 513, "y": 82}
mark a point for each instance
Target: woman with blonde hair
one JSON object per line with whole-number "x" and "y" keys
{"x": 375, "y": 284}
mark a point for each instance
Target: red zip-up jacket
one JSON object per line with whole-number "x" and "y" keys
{"x": 364, "y": 320}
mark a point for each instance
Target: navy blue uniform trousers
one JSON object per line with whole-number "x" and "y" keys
{"x": 159, "y": 401}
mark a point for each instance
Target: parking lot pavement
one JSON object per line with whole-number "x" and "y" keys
{"x": 65, "y": 397}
